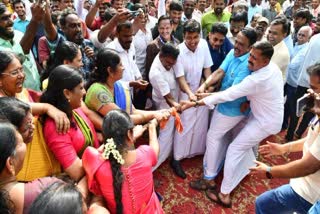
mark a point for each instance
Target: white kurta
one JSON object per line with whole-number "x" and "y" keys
{"x": 192, "y": 140}
{"x": 264, "y": 90}
{"x": 164, "y": 82}
{"x": 128, "y": 59}
{"x": 141, "y": 41}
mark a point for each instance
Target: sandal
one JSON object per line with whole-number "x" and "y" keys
{"x": 217, "y": 199}
{"x": 202, "y": 184}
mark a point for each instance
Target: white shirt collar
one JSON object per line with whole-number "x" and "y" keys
{"x": 119, "y": 48}
{"x": 185, "y": 49}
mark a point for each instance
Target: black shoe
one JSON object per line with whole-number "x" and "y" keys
{"x": 177, "y": 169}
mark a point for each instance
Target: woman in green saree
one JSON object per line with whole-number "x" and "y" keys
{"x": 106, "y": 91}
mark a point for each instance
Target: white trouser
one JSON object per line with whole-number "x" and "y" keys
{"x": 165, "y": 141}
{"x": 240, "y": 156}
{"x": 217, "y": 142}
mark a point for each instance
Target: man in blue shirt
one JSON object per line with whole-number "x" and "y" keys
{"x": 226, "y": 115}
{"x": 21, "y": 22}
{"x": 218, "y": 44}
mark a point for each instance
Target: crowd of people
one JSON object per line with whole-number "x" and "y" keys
{"x": 81, "y": 81}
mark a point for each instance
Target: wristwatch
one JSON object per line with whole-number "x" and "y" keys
{"x": 268, "y": 173}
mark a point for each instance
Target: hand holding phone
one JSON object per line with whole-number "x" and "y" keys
{"x": 135, "y": 13}
{"x": 304, "y": 103}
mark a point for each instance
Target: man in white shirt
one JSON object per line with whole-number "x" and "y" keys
{"x": 142, "y": 38}
{"x": 200, "y": 8}
{"x": 228, "y": 115}
{"x": 196, "y": 60}
{"x": 264, "y": 89}
{"x": 165, "y": 93}
{"x": 124, "y": 47}
{"x": 188, "y": 11}
{"x": 151, "y": 21}
{"x": 276, "y": 34}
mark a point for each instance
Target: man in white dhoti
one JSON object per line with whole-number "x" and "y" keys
{"x": 165, "y": 93}
{"x": 226, "y": 115}
{"x": 195, "y": 58}
{"x": 264, "y": 89}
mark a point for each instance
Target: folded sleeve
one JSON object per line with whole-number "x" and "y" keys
{"x": 159, "y": 84}
{"x": 244, "y": 88}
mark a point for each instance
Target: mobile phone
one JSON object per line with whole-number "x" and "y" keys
{"x": 42, "y": 3}
{"x": 304, "y": 103}
{"x": 135, "y": 13}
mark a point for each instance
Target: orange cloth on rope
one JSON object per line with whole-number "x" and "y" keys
{"x": 177, "y": 121}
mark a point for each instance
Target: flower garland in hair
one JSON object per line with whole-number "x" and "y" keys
{"x": 110, "y": 147}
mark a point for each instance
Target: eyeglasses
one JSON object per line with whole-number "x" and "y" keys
{"x": 15, "y": 73}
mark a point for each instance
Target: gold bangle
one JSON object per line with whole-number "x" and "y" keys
{"x": 205, "y": 84}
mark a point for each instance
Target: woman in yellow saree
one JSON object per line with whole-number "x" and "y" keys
{"x": 39, "y": 161}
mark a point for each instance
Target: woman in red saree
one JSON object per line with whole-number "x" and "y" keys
{"x": 121, "y": 173}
